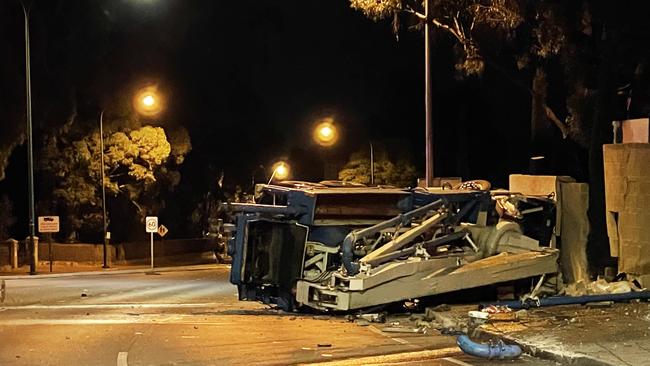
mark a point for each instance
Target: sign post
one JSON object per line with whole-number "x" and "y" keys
{"x": 162, "y": 231}
{"x": 151, "y": 225}
{"x": 48, "y": 225}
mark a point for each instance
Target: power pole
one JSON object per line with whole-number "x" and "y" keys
{"x": 428, "y": 130}
{"x": 30, "y": 146}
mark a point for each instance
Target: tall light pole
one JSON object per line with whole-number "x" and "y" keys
{"x": 147, "y": 102}
{"x": 105, "y": 223}
{"x": 326, "y": 135}
{"x": 428, "y": 130}
{"x": 30, "y": 146}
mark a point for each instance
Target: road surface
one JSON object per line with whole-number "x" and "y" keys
{"x": 190, "y": 317}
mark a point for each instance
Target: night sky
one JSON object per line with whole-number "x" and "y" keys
{"x": 248, "y": 80}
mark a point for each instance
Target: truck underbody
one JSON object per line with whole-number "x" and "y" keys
{"x": 344, "y": 248}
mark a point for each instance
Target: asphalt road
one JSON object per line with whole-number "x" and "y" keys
{"x": 190, "y": 318}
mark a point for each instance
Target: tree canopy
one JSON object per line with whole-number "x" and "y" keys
{"x": 399, "y": 173}
{"x": 461, "y": 19}
{"x": 139, "y": 164}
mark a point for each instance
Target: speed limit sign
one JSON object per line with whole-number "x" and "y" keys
{"x": 151, "y": 224}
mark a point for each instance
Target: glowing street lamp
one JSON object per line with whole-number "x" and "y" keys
{"x": 148, "y": 101}
{"x": 280, "y": 171}
{"x": 325, "y": 132}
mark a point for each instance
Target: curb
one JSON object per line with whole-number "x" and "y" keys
{"x": 197, "y": 267}
{"x": 578, "y": 359}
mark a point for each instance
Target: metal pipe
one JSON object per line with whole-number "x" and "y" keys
{"x": 406, "y": 238}
{"x": 411, "y": 250}
{"x": 498, "y": 350}
{"x": 30, "y": 146}
{"x": 105, "y": 224}
{"x": 572, "y": 300}
{"x": 421, "y": 210}
{"x": 257, "y": 208}
{"x": 347, "y": 247}
{"x": 272, "y": 176}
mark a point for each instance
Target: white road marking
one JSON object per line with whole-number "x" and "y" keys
{"x": 457, "y": 362}
{"x": 112, "y": 306}
{"x": 101, "y": 322}
{"x": 400, "y": 340}
{"x": 375, "y": 330}
{"x": 121, "y": 359}
{"x": 169, "y": 319}
{"x": 393, "y": 358}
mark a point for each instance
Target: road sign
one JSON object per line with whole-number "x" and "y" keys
{"x": 48, "y": 224}
{"x": 151, "y": 224}
{"x": 162, "y": 230}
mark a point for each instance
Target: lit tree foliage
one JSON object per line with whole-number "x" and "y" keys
{"x": 462, "y": 19}
{"x": 387, "y": 172}
{"x": 139, "y": 165}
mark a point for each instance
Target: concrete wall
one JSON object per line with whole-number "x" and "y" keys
{"x": 140, "y": 251}
{"x": 6, "y": 253}
{"x": 181, "y": 251}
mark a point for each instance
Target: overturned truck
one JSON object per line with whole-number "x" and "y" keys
{"x": 344, "y": 248}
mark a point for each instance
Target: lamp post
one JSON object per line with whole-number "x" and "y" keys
{"x": 105, "y": 224}
{"x": 30, "y": 147}
{"x": 428, "y": 130}
{"x": 280, "y": 171}
{"x": 326, "y": 134}
{"x": 146, "y": 102}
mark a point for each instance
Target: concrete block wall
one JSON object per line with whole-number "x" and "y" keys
{"x": 179, "y": 251}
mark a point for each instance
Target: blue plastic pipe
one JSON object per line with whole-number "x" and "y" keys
{"x": 573, "y": 300}
{"x": 497, "y": 350}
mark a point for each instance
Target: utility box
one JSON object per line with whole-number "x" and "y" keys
{"x": 635, "y": 130}
{"x": 572, "y": 223}
{"x": 627, "y": 197}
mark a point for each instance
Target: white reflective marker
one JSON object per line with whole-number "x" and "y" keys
{"x": 121, "y": 359}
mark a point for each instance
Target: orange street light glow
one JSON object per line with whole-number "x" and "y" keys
{"x": 148, "y": 101}
{"x": 280, "y": 171}
{"x": 325, "y": 133}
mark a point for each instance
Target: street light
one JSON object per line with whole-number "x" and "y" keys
{"x": 280, "y": 171}
{"x": 146, "y": 102}
{"x": 428, "y": 107}
{"x": 325, "y": 132}
{"x": 30, "y": 146}
{"x": 105, "y": 223}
